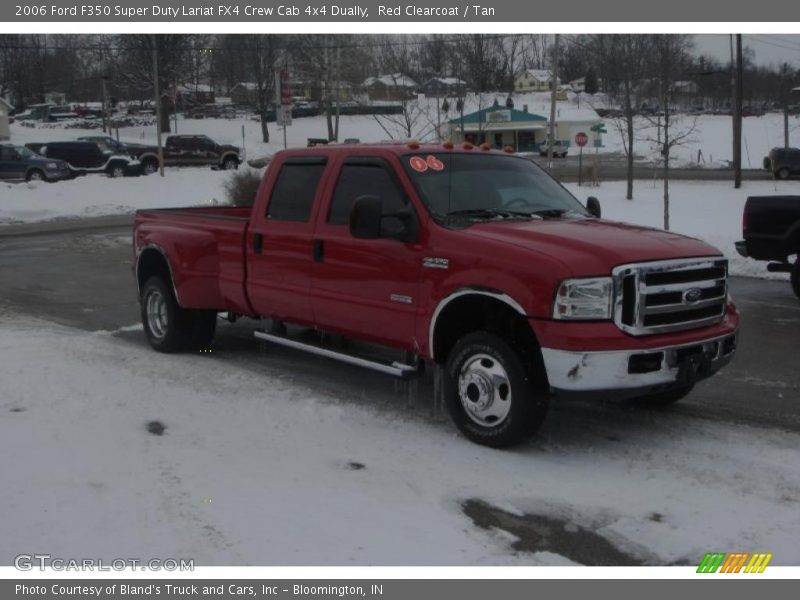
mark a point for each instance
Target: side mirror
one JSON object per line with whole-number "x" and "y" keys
{"x": 365, "y": 218}
{"x": 368, "y": 221}
{"x": 593, "y": 206}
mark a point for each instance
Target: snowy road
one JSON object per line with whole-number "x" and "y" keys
{"x": 282, "y": 458}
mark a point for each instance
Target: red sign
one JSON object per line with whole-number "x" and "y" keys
{"x": 286, "y": 92}
{"x": 418, "y": 164}
{"x": 581, "y": 139}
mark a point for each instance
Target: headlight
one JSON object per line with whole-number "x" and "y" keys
{"x": 588, "y": 299}
{"x": 51, "y": 165}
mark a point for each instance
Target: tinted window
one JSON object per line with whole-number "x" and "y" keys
{"x": 356, "y": 180}
{"x": 7, "y": 153}
{"x": 294, "y": 191}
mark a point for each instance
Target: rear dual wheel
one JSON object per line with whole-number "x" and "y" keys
{"x": 168, "y": 326}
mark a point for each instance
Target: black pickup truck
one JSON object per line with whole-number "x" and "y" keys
{"x": 771, "y": 231}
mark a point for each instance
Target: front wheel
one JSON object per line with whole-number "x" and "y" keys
{"x": 149, "y": 167}
{"x": 230, "y": 164}
{"x": 491, "y": 393}
{"x": 35, "y": 175}
{"x": 116, "y": 171}
{"x": 795, "y": 276}
{"x": 783, "y": 173}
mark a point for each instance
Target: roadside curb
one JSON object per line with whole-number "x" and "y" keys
{"x": 67, "y": 225}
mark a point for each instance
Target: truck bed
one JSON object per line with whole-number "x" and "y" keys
{"x": 206, "y": 246}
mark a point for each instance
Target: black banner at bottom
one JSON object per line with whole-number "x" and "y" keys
{"x": 395, "y": 589}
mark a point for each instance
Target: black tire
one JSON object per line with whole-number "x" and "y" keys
{"x": 115, "y": 170}
{"x": 795, "y": 277}
{"x": 230, "y": 163}
{"x": 527, "y": 402}
{"x": 168, "y": 327}
{"x": 783, "y": 173}
{"x": 149, "y": 167}
{"x": 664, "y": 398}
{"x": 35, "y": 175}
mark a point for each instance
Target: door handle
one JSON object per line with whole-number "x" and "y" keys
{"x": 319, "y": 250}
{"x": 258, "y": 243}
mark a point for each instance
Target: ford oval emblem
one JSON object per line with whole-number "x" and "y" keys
{"x": 692, "y": 295}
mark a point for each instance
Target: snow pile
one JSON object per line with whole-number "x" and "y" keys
{"x": 253, "y": 468}
{"x": 95, "y": 195}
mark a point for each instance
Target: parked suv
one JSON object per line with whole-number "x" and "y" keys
{"x": 88, "y": 157}
{"x": 19, "y": 162}
{"x": 783, "y": 162}
{"x": 146, "y": 154}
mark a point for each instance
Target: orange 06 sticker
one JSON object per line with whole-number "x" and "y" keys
{"x": 434, "y": 163}
{"x": 418, "y": 164}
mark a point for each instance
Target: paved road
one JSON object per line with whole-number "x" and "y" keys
{"x": 80, "y": 275}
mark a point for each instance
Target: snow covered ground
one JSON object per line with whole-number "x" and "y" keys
{"x": 261, "y": 470}
{"x": 712, "y": 136}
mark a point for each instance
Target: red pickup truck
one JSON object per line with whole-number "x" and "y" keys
{"x": 473, "y": 261}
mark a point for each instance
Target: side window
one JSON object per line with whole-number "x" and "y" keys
{"x": 6, "y": 153}
{"x": 294, "y": 190}
{"x": 358, "y": 179}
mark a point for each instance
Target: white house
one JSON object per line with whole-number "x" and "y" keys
{"x": 5, "y": 109}
{"x": 535, "y": 80}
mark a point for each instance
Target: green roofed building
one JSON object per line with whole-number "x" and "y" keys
{"x": 520, "y": 129}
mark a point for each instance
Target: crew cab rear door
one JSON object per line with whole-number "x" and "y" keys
{"x": 366, "y": 288}
{"x": 279, "y": 256}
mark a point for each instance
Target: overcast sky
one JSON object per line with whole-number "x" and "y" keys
{"x": 769, "y": 49}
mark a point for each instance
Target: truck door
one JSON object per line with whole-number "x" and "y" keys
{"x": 11, "y": 164}
{"x": 279, "y": 257}
{"x": 364, "y": 288}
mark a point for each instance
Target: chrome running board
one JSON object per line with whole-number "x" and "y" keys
{"x": 396, "y": 369}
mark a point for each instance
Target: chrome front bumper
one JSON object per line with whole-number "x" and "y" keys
{"x": 637, "y": 369}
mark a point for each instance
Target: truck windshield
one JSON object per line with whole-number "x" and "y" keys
{"x": 456, "y": 186}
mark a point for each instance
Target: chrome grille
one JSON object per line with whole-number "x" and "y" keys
{"x": 670, "y": 295}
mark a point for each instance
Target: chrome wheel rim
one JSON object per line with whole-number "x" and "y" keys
{"x": 35, "y": 176}
{"x": 149, "y": 169}
{"x": 484, "y": 390}
{"x": 117, "y": 172}
{"x": 157, "y": 318}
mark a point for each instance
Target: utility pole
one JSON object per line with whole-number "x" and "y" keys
{"x": 106, "y": 126}
{"x": 785, "y": 99}
{"x": 553, "y": 98}
{"x": 158, "y": 105}
{"x": 338, "y": 89}
{"x": 737, "y": 116}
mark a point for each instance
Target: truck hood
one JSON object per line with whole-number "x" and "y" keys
{"x": 592, "y": 246}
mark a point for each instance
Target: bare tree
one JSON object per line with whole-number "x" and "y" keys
{"x": 670, "y": 54}
{"x": 262, "y": 54}
{"x": 131, "y": 57}
{"x": 624, "y": 62}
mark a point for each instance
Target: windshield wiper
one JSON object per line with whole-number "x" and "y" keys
{"x": 489, "y": 213}
{"x": 551, "y": 212}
